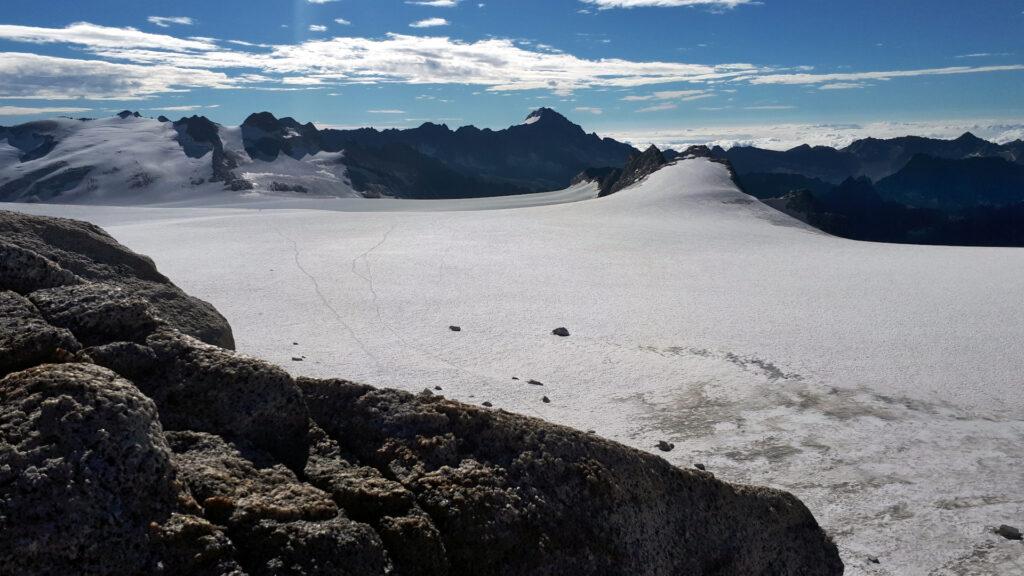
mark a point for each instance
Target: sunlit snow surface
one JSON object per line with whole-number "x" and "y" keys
{"x": 882, "y": 384}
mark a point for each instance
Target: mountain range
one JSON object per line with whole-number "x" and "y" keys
{"x": 908, "y": 189}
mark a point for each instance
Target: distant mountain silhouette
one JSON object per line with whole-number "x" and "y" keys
{"x": 954, "y": 184}
{"x": 871, "y": 157}
{"x": 543, "y": 153}
{"x": 969, "y": 201}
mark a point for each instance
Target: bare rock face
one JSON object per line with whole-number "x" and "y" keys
{"x": 26, "y": 339}
{"x": 66, "y": 252}
{"x": 23, "y": 270}
{"x": 128, "y": 446}
{"x": 202, "y": 387}
{"x": 544, "y": 499}
{"x": 84, "y": 470}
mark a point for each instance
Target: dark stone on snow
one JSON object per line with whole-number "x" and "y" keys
{"x": 1008, "y": 532}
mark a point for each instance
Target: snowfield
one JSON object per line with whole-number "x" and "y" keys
{"x": 882, "y": 384}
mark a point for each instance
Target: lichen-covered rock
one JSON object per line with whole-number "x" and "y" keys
{"x": 515, "y": 495}
{"x": 187, "y": 544}
{"x": 247, "y": 401}
{"x": 90, "y": 254}
{"x": 280, "y": 524}
{"x": 26, "y": 339}
{"x": 97, "y": 313}
{"x": 234, "y": 491}
{"x": 23, "y": 271}
{"x": 84, "y": 470}
{"x": 336, "y": 547}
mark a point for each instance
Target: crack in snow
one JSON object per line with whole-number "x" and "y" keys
{"x": 323, "y": 299}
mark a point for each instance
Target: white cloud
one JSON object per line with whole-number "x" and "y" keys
{"x": 804, "y": 79}
{"x": 659, "y": 107}
{"x": 984, "y": 55}
{"x": 495, "y": 64}
{"x": 342, "y": 21}
{"x": 386, "y": 111}
{"x": 184, "y": 108}
{"x": 589, "y": 110}
{"x": 842, "y": 86}
{"x": 320, "y": 1}
{"x": 679, "y": 95}
{"x": 31, "y": 76}
{"x": 607, "y": 4}
{"x": 317, "y": 28}
{"x": 770, "y": 107}
{"x": 429, "y": 23}
{"x": 28, "y": 111}
{"x": 167, "y": 21}
{"x": 785, "y": 136}
{"x": 435, "y": 3}
{"x": 94, "y": 36}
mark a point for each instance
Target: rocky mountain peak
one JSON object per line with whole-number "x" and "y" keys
{"x": 264, "y": 121}
{"x": 547, "y": 117}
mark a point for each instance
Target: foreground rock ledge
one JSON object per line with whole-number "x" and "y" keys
{"x": 128, "y": 445}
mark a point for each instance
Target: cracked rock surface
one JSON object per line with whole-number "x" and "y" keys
{"x": 134, "y": 441}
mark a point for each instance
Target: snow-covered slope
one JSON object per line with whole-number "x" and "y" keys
{"x": 133, "y": 160}
{"x": 880, "y": 383}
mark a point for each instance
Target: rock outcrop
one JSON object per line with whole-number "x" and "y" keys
{"x": 129, "y": 446}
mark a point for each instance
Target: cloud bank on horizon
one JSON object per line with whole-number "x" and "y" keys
{"x": 621, "y": 59}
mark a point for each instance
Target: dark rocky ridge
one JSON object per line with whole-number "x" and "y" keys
{"x": 129, "y": 447}
{"x": 541, "y": 155}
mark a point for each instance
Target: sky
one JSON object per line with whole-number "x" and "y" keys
{"x": 773, "y": 72}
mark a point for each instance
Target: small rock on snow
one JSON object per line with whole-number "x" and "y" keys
{"x": 699, "y": 466}
{"x": 455, "y": 328}
{"x": 488, "y": 404}
{"x": 296, "y": 359}
{"x": 563, "y": 332}
{"x": 546, "y": 400}
{"x": 1009, "y": 532}
{"x": 535, "y": 382}
{"x": 665, "y": 446}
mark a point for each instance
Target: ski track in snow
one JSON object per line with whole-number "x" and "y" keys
{"x": 879, "y": 383}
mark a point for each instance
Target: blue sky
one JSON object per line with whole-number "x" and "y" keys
{"x": 616, "y": 66}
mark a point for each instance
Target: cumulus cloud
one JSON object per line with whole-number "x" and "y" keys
{"x": 28, "y": 110}
{"x": 429, "y": 23}
{"x": 128, "y": 63}
{"x": 32, "y": 76}
{"x": 435, "y": 3}
{"x": 167, "y": 21}
{"x": 589, "y": 110}
{"x": 317, "y": 28}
